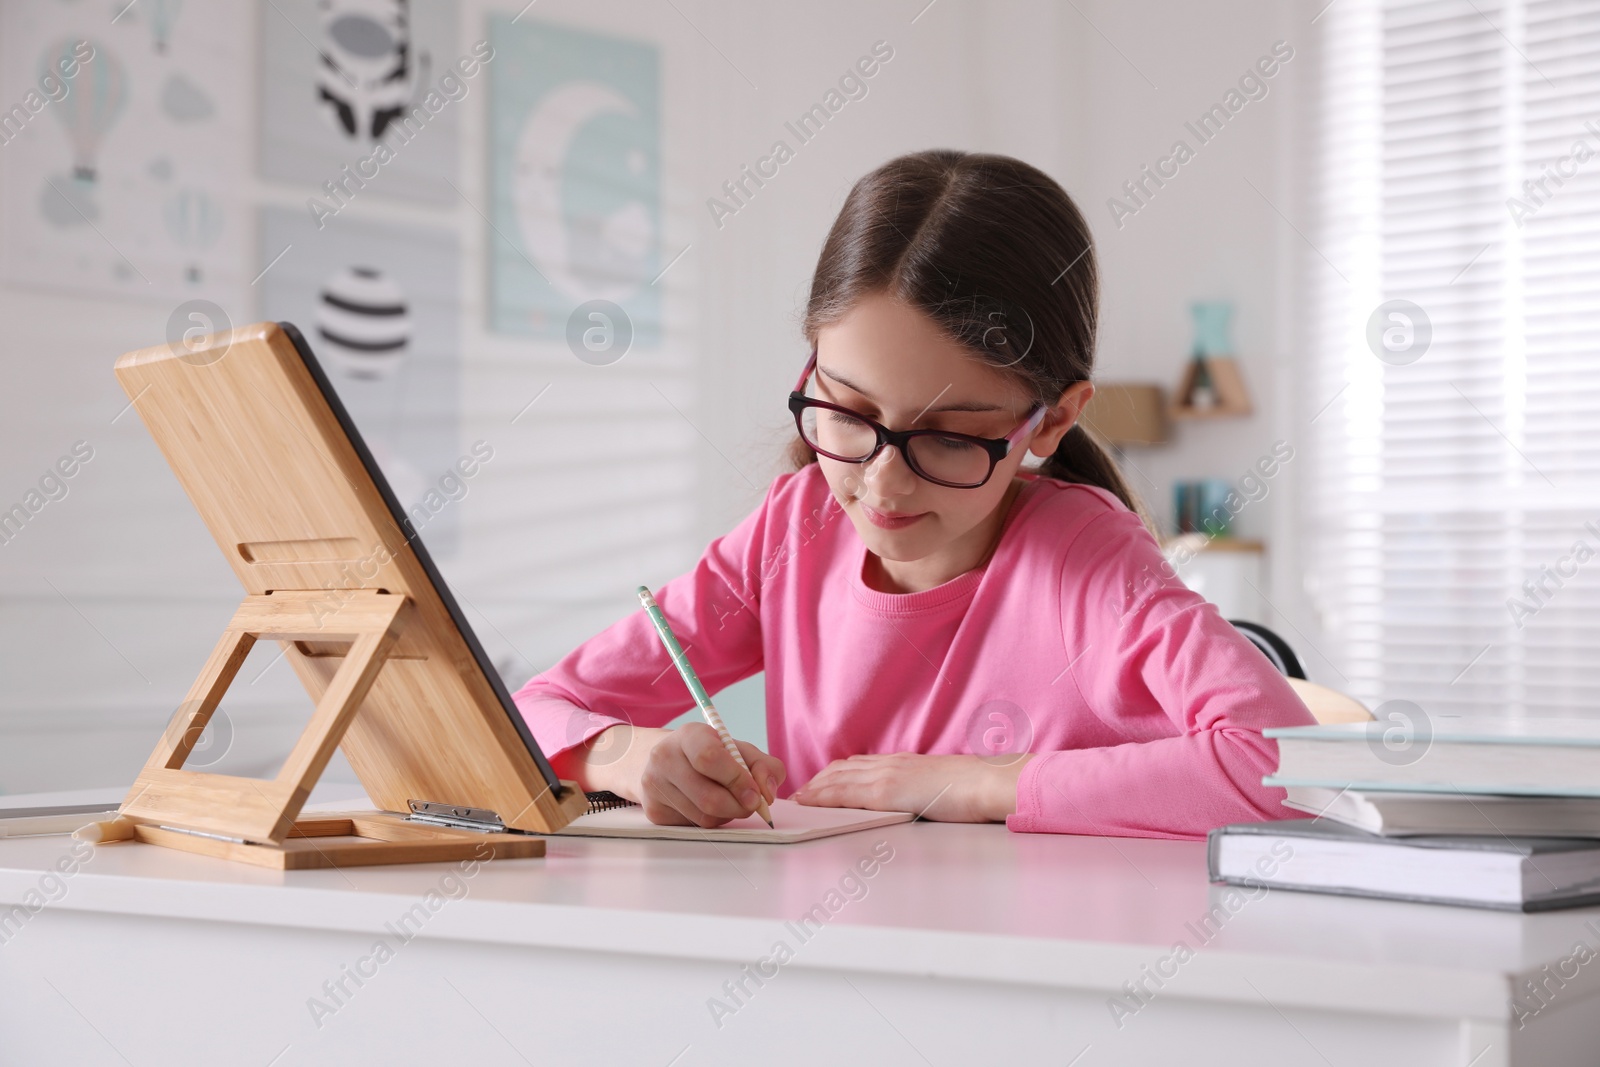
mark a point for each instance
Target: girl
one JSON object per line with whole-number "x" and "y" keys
{"x": 942, "y": 631}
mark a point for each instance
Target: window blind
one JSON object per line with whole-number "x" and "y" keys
{"x": 1454, "y": 523}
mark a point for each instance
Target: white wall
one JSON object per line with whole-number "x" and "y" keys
{"x": 1226, "y": 227}
{"x": 112, "y": 598}
{"x": 998, "y": 77}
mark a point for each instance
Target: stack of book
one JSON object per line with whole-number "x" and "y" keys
{"x": 1488, "y": 813}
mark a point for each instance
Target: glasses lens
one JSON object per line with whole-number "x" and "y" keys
{"x": 838, "y": 433}
{"x": 950, "y": 459}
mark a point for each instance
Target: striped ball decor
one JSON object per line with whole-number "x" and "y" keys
{"x": 363, "y": 322}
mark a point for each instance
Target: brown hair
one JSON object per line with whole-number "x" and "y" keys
{"x": 996, "y": 252}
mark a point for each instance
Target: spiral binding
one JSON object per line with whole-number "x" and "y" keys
{"x": 605, "y": 800}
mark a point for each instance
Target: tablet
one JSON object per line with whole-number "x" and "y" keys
{"x": 256, "y": 434}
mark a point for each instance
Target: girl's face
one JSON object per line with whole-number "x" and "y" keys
{"x": 892, "y": 363}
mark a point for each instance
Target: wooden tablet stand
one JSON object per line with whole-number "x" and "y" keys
{"x": 256, "y": 821}
{"x": 258, "y": 438}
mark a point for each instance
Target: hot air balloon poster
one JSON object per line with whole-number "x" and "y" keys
{"x": 339, "y": 77}
{"x": 575, "y": 177}
{"x": 125, "y": 178}
{"x": 379, "y": 305}
{"x": 88, "y": 115}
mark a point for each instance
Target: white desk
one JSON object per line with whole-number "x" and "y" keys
{"x": 971, "y": 946}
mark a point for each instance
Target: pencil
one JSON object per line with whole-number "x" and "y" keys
{"x": 701, "y": 697}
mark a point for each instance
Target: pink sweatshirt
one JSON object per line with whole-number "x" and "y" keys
{"x": 1144, "y": 706}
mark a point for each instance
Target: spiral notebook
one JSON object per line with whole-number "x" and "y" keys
{"x": 611, "y": 816}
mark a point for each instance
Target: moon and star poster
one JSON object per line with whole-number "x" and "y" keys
{"x": 574, "y": 177}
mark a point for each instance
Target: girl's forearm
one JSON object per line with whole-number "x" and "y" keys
{"x": 612, "y": 760}
{"x": 1000, "y": 788}
{"x": 1174, "y": 787}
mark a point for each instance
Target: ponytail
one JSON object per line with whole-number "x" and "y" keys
{"x": 1083, "y": 459}
{"x": 799, "y": 454}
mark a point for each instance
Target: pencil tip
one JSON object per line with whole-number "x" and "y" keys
{"x": 770, "y": 826}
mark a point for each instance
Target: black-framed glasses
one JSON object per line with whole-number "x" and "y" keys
{"x": 953, "y": 460}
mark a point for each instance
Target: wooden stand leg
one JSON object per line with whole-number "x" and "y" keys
{"x": 255, "y": 821}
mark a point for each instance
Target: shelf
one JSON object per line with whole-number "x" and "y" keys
{"x": 1233, "y": 399}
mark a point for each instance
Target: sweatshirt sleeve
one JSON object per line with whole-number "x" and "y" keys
{"x": 1163, "y": 669}
{"x": 624, "y": 674}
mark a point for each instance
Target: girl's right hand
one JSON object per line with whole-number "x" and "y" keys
{"x": 681, "y": 777}
{"x": 690, "y": 779}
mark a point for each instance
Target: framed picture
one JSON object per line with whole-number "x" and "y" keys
{"x": 574, "y": 176}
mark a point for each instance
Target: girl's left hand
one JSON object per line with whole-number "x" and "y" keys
{"x": 940, "y": 788}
